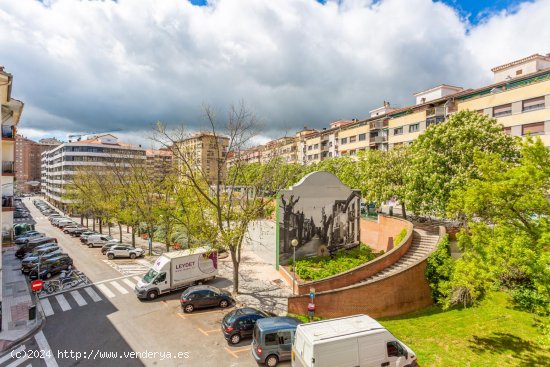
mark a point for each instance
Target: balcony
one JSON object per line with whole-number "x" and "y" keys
{"x": 434, "y": 120}
{"x": 378, "y": 124}
{"x": 435, "y": 111}
{"x": 8, "y": 133}
{"x": 8, "y": 168}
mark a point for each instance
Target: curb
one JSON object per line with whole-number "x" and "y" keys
{"x": 38, "y": 327}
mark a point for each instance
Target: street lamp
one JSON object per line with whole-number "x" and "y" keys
{"x": 294, "y": 243}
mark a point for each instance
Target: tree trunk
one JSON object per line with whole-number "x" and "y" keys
{"x": 133, "y": 236}
{"x": 109, "y": 227}
{"x": 101, "y": 226}
{"x": 128, "y": 228}
{"x": 234, "y": 260}
{"x": 86, "y": 221}
{"x": 81, "y": 219}
{"x": 120, "y": 232}
{"x": 403, "y": 211}
{"x": 94, "y": 223}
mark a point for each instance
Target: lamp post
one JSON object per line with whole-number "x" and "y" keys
{"x": 294, "y": 243}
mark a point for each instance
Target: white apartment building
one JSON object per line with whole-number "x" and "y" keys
{"x": 61, "y": 163}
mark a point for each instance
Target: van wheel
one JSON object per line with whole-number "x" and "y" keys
{"x": 224, "y": 303}
{"x": 271, "y": 361}
{"x": 132, "y": 256}
{"x": 235, "y": 339}
{"x": 90, "y": 245}
{"x": 152, "y": 295}
{"x": 111, "y": 256}
{"x": 188, "y": 308}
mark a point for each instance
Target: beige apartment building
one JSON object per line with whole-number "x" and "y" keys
{"x": 159, "y": 161}
{"x": 204, "y": 150}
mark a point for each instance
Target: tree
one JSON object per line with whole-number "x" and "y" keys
{"x": 230, "y": 207}
{"x": 507, "y": 235}
{"x": 382, "y": 175}
{"x": 442, "y": 158}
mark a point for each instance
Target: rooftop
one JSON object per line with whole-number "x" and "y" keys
{"x": 521, "y": 61}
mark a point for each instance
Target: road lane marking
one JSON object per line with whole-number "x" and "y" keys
{"x": 45, "y": 348}
{"x": 103, "y": 288}
{"x": 93, "y": 295}
{"x": 65, "y": 306}
{"x": 231, "y": 352}
{"x": 78, "y": 298}
{"x": 137, "y": 278}
{"x": 119, "y": 288}
{"x": 12, "y": 353}
{"x": 129, "y": 283}
{"x": 207, "y": 332}
{"x": 245, "y": 349}
{"x": 18, "y": 361}
{"x": 47, "y": 307}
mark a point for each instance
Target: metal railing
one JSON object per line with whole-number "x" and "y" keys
{"x": 8, "y": 167}
{"x": 8, "y": 132}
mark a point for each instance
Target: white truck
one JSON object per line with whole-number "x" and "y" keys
{"x": 353, "y": 341}
{"x": 177, "y": 270}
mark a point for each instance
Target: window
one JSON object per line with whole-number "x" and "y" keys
{"x": 398, "y": 130}
{"x": 316, "y": 146}
{"x": 316, "y": 156}
{"x": 533, "y": 129}
{"x": 362, "y": 137}
{"x": 519, "y": 72}
{"x": 271, "y": 339}
{"x": 352, "y": 152}
{"x": 533, "y": 104}
{"x": 413, "y": 128}
{"x": 395, "y": 349}
{"x": 284, "y": 337}
{"x": 508, "y": 130}
{"x": 309, "y": 147}
{"x": 352, "y": 139}
{"x": 502, "y": 110}
{"x": 344, "y": 140}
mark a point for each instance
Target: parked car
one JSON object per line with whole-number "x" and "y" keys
{"x": 51, "y": 267}
{"x": 63, "y": 225}
{"x": 28, "y": 247}
{"x": 42, "y": 249}
{"x": 70, "y": 229}
{"x": 202, "y": 296}
{"x": 272, "y": 339}
{"x": 98, "y": 240}
{"x": 84, "y": 236}
{"x": 30, "y": 262}
{"x": 27, "y": 238}
{"x": 124, "y": 251}
{"x": 26, "y": 234}
{"x": 239, "y": 323}
{"x": 107, "y": 246}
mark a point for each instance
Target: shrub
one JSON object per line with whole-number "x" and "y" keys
{"x": 319, "y": 267}
{"x": 439, "y": 269}
{"x": 400, "y": 237}
{"x": 530, "y": 300}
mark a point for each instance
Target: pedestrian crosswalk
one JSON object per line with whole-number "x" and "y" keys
{"x": 129, "y": 267}
{"x": 26, "y": 355}
{"x": 82, "y": 297}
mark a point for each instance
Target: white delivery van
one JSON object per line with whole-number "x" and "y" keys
{"x": 178, "y": 270}
{"x": 354, "y": 341}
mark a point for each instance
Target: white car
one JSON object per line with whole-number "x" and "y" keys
{"x": 124, "y": 251}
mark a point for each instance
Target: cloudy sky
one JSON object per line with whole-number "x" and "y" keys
{"x": 95, "y": 66}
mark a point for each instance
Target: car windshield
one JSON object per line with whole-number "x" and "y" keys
{"x": 151, "y": 274}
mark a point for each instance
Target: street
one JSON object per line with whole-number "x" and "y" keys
{"x": 106, "y": 324}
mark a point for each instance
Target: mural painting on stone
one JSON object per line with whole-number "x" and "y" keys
{"x": 321, "y": 213}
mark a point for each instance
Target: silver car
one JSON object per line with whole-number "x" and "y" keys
{"x": 124, "y": 251}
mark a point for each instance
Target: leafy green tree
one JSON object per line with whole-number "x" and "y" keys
{"x": 442, "y": 158}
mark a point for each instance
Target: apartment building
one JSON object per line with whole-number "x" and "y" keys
{"x": 11, "y": 114}
{"x": 159, "y": 161}
{"x": 60, "y": 163}
{"x": 204, "y": 150}
{"x": 28, "y": 155}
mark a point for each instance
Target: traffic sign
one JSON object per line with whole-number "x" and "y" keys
{"x": 311, "y": 306}
{"x": 312, "y": 295}
{"x": 37, "y": 285}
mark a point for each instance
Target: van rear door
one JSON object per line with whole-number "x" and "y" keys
{"x": 336, "y": 353}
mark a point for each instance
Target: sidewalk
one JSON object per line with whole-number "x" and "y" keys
{"x": 16, "y": 300}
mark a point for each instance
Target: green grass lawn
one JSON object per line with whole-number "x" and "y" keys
{"x": 493, "y": 334}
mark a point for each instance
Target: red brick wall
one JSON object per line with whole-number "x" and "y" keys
{"x": 401, "y": 293}
{"x": 380, "y": 234}
{"x": 387, "y": 226}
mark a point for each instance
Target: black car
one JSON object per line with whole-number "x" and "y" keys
{"x": 30, "y": 262}
{"x": 201, "y": 296}
{"x": 239, "y": 324}
{"x": 51, "y": 267}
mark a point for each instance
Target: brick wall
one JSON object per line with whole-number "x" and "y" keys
{"x": 380, "y": 234}
{"x": 401, "y": 293}
{"x": 388, "y": 227}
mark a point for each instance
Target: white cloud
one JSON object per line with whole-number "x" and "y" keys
{"x": 104, "y": 65}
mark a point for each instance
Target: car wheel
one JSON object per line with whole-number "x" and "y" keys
{"x": 103, "y": 252}
{"x": 48, "y": 275}
{"x": 152, "y": 295}
{"x": 90, "y": 245}
{"x": 188, "y": 308}
{"x": 271, "y": 361}
{"x": 132, "y": 256}
{"x": 111, "y": 256}
{"x": 235, "y": 339}
{"x": 224, "y": 303}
